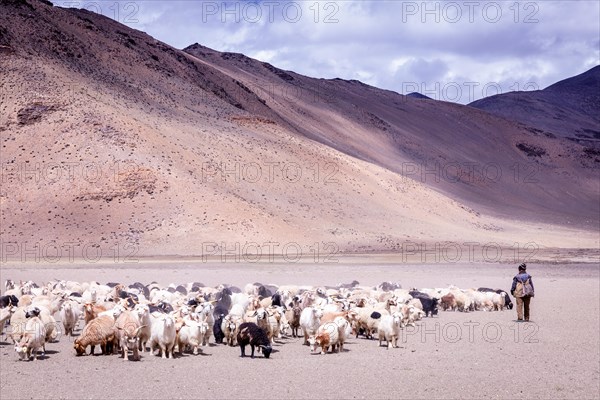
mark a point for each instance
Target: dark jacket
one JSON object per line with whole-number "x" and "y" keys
{"x": 521, "y": 277}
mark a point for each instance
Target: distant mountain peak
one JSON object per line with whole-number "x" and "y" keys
{"x": 569, "y": 108}
{"x": 587, "y": 81}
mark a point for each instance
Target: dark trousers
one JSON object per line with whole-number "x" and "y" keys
{"x": 523, "y": 302}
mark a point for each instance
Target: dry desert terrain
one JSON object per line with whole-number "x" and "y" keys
{"x": 149, "y": 162}
{"x": 454, "y": 355}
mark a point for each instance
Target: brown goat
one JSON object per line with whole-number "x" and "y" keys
{"x": 330, "y": 316}
{"x": 99, "y": 331}
{"x": 91, "y": 311}
{"x": 293, "y": 317}
{"x": 448, "y": 302}
{"x": 127, "y": 329}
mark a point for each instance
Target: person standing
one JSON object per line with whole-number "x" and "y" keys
{"x": 522, "y": 290}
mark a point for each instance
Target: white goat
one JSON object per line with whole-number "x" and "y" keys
{"x": 143, "y": 313}
{"x": 163, "y": 334}
{"x": 389, "y": 329}
{"x": 70, "y": 312}
{"x": 32, "y": 340}
{"x": 191, "y": 334}
{"x": 310, "y": 320}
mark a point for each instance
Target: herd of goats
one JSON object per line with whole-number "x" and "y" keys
{"x": 182, "y": 318}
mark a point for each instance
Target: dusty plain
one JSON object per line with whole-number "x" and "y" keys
{"x": 455, "y": 355}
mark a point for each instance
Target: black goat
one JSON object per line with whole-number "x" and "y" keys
{"x": 10, "y": 300}
{"x": 251, "y": 334}
{"x": 217, "y": 331}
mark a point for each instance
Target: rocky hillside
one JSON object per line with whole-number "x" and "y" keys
{"x": 114, "y": 143}
{"x": 567, "y": 109}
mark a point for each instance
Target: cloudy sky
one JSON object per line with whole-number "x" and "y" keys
{"x": 449, "y": 50}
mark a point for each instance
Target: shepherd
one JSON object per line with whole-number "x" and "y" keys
{"x": 522, "y": 290}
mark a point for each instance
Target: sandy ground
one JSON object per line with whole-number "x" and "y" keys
{"x": 455, "y": 355}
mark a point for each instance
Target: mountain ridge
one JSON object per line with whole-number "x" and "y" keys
{"x": 568, "y": 108}
{"x": 111, "y": 137}
{"x": 253, "y": 77}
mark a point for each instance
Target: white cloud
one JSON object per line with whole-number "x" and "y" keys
{"x": 264, "y": 55}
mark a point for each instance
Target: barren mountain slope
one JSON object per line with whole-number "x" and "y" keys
{"x": 113, "y": 142}
{"x": 491, "y": 164}
{"x": 569, "y": 108}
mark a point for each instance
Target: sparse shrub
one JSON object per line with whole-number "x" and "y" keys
{"x": 531, "y": 150}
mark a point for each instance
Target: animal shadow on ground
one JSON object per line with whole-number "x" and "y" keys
{"x": 190, "y": 354}
{"x": 39, "y": 357}
{"x": 344, "y": 350}
{"x": 329, "y": 353}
